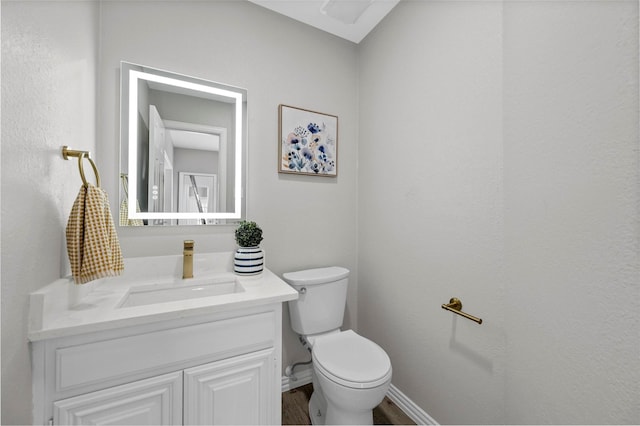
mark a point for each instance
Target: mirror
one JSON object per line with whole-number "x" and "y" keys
{"x": 182, "y": 149}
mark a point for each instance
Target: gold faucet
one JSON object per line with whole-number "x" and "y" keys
{"x": 187, "y": 259}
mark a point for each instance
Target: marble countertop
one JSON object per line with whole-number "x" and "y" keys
{"x": 63, "y": 308}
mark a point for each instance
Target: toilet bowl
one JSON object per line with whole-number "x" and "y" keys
{"x": 351, "y": 374}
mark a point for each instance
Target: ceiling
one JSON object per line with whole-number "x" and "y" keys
{"x": 348, "y": 19}
{"x": 194, "y": 140}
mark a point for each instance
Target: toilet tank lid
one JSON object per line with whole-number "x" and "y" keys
{"x": 316, "y": 276}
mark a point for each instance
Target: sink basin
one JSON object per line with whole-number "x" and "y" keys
{"x": 182, "y": 290}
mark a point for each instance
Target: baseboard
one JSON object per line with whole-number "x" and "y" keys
{"x": 415, "y": 413}
{"x": 302, "y": 377}
{"x": 409, "y": 407}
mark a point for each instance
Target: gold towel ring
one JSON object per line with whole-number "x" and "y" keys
{"x": 66, "y": 153}
{"x": 93, "y": 165}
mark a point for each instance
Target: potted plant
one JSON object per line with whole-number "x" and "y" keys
{"x": 248, "y": 234}
{"x": 249, "y": 257}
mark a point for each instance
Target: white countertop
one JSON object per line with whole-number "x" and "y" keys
{"x": 63, "y": 308}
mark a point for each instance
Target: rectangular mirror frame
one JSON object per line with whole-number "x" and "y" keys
{"x": 131, "y": 74}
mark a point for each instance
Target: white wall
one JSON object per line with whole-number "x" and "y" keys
{"x": 49, "y": 57}
{"x": 50, "y": 52}
{"x": 430, "y": 204}
{"x": 498, "y": 162}
{"x": 571, "y": 175}
{"x": 510, "y": 135}
{"x": 307, "y": 221}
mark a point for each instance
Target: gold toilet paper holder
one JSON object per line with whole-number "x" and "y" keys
{"x": 455, "y": 306}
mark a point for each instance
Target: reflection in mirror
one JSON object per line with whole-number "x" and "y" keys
{"x": 181, "y": 153}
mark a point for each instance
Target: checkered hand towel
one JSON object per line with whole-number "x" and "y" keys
{"x": 92, "y": 242}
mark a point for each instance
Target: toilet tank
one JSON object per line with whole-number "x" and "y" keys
{"x": 322, "y": 299}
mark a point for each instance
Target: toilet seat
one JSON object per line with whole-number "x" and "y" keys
{"x": 351, "y": 360}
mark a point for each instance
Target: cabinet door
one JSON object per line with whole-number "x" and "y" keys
{"x": 233, "y": 391}
{"x": 155, "y": 401}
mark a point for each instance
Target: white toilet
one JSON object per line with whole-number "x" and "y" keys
{"x": 351, "y": 374}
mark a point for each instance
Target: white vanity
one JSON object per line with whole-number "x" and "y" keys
{"x": 151, "y": 348}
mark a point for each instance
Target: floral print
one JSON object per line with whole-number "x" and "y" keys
{"x": 309, "y": 148}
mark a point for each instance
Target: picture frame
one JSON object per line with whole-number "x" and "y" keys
{"x": 308, "y": 142}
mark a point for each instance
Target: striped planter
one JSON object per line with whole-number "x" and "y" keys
{"x": 248, "y": 261}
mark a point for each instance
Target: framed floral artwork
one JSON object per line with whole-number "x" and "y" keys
{"x": 308, "y": 142}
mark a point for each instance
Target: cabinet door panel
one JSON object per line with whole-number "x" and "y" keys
{"x": 155, "y": 401}
{"x": 231, "y": 391}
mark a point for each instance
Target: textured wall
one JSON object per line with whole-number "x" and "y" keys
{"x": 498, "y": 162}
{"x": 307, "y": 221}
{"x": 49, "y": 70}
{"x": 511, "y": 129}
{"x": 49, "y": 56}
{"x": 571, "y": 196}
{"x": 430, "y": 202}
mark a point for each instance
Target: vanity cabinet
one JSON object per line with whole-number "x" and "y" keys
{"x": 212, "y": 368}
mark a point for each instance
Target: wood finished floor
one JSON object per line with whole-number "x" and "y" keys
{"x": 295, "y": 409}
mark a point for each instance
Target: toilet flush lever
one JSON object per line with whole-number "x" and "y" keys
{"x": 455, "y": 306}
{"x": 303, "y": 290}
